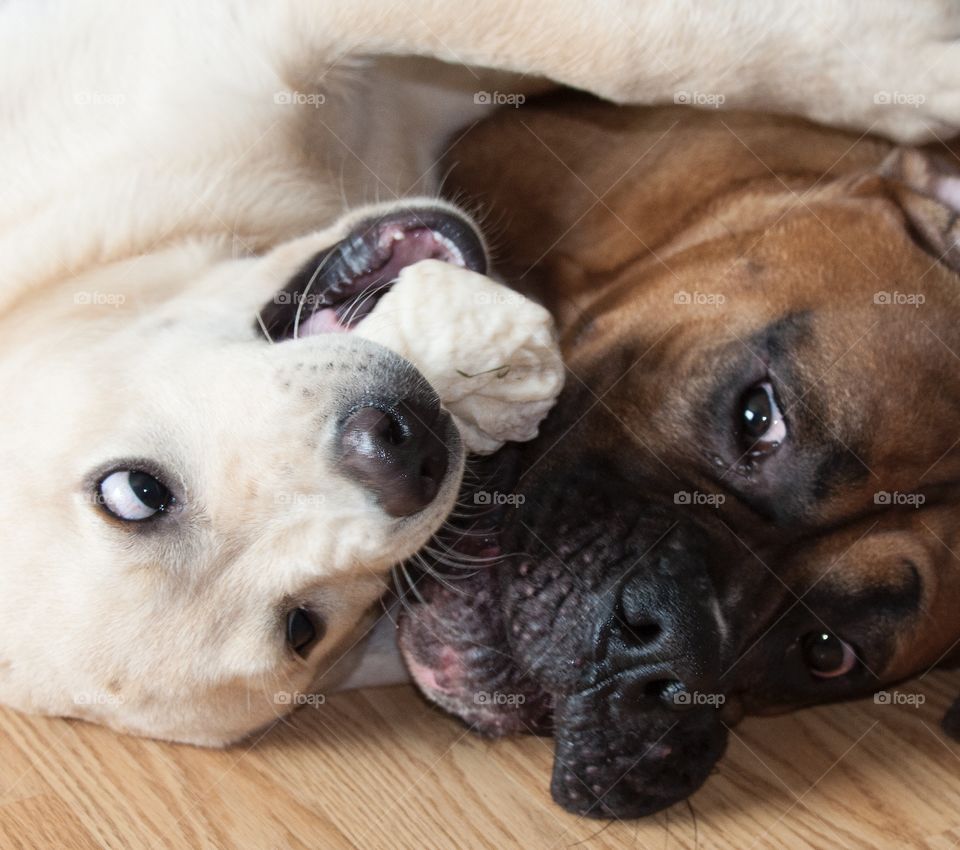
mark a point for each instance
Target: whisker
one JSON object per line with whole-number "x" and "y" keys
{"x": 412, "y": 585}
{"x": 305, "y": 293}
{"x": 452, "y": 558}
{"x": 480, "y": 511}
{"x": 355, "y": 308}
{"x": 263, "y": 327}
{"x": 462, "y": 532}
{"x": 383, "y": 599}
{"x": 463, "y": 571}
{"x": 429, "y": 569}
{"x": 399, "y": 574}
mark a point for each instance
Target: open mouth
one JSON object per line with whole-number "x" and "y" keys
{"x": 342, "y": 284}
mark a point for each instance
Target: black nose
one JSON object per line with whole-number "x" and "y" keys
{"x": 398, "y": 453}
{"x": 664, "y": 638}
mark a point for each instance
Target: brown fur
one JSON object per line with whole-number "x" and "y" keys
{"x": 607, "y": 214}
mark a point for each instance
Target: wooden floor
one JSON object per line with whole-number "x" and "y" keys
{"x": 380, "y": 769}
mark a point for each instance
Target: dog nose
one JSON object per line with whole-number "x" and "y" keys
{"x": 398, "y": 453}
{"x": 664, "y": 638}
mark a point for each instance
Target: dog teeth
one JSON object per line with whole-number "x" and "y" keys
{"x": 356, "y": 265}
{"x": 451, "y": 248}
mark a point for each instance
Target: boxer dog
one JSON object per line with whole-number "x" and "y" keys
{"x": 748, "y": 497}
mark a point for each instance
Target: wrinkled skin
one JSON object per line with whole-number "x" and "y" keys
{"x": 675, "y": 569}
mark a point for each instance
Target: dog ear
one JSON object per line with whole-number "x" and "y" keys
{"x": 926, "y": 187}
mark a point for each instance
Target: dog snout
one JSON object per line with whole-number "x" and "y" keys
{"x": 663, "y": 643}
{"x": 398, "y": 452}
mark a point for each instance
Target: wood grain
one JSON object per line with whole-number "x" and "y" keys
{"x": 380, "y": 769}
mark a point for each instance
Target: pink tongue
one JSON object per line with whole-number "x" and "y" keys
{"x": 417, "y": 244}
{"x": 324, "y": 321}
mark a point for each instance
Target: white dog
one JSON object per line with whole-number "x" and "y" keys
{"x": 193, "y": 519}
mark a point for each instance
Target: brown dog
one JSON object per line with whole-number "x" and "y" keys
{"x": 747, "y": 499}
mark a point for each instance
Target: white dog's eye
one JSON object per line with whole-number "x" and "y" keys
{"x": 304, "y": 631}
{"x": 132, "y": 495}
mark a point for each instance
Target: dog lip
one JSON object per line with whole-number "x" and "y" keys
{"x": 340, "y": 285}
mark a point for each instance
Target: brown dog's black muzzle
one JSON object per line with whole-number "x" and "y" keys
{"x": 606, "y": 770}
{"x": 632, "y": 657}
{"x": 644, "y": 732}
{"x": 662, "y": 641}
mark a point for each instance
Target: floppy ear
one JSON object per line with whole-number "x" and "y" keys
{"x": 926, "y": 186}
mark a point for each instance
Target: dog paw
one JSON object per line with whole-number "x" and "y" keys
{"x": 883, "y": 66}
{"x": 894, "y": 70}
{"x": 920, "y": 104}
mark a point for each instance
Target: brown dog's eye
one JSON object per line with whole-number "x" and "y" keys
{"x": 304, "y": 630}
{"x": 826, "y": 655}
{"x": 761, "y": 422}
